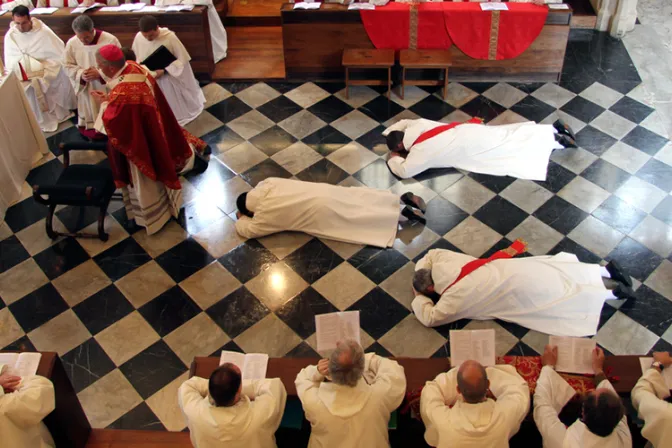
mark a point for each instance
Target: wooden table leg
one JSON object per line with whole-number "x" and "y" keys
{"x": 445, "y": 85}
{"x": 347, "y": 83}
{"x": 403, "y": 82}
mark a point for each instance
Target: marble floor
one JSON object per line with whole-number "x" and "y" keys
{"x": 128, "y": 316}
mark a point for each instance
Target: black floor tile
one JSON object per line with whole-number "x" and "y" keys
{"x": 605, "y": 315}
{"x": 442, "y": 215}
{"x": 200, "y": 213}
{"x": 444, "y": 330}
{"x": 152, "y": 369}
{"x": 439, "y": 179}
{"x": 229, "y": 109}
{"x": 279, "y": 109}
{"x": 237, "y": 312}
{"x": 649, "y": 309}
{"x": 12, "y": 253}
{"x": 556, "y": 178}
{"x": 86, "y": 364}
{"x": 213, "y": 179}
{"x": 313, "y": 260}
{"x": 76, "y": 218}
{"x": 594, "y": 141}
{"x": 645, "y": 140}
{"x": 637, "y": 261}
{"x": 69, "y": 135}
{"x": 229, "y": 347}
{"x": 273, "y": 140}
{"x": 481, "y": 107}
{"x": 267, "y": 168}
{"x": 522, "y": 349}
{"x": 330, "y": 109}
{"x": 323, "y": 171}
{"x": 59, "y": 258}
{"x": 378, "y": 350}
{"x": 527, "y": 87}
{"x": 302, "y": 350}
{"x": 22, "y": 344}
{"x": 331, "y": 87}
{"x": 619, "y": 214}
{"x": 326, "y": 140}
{"x": 236, "y": 86}
{"x": 664, "y": 210}
{"x": 121, "y": 259}
{"x": 439, "y": 244}
{"x": 185, "y": 259}
{"x": 25, "y": 213}
{"x": 431, "y": 108}
{"x": 248, "y": 260}
{"x": 103, "y": 309}
{"x": 299, "y": 313}
{"x": 560, "y": 214}
{"x": 46, "y": 174}
{"x": 139, "y": 418}
{"x": 571, "y": 247}
{"x": 129, "y": 225}
{"x": 532, "y": 109}
{"x": 478, "y": 87}
{"x": 222, "y": 139}
{"x": 38, "y": 307}
{"x": 381, "y": 109}
{"x": 501, "y": 215}
{"x": 378, "y": 266}
{"x": 283, "y": 87}
{"x": 657, "y": 173}
{"x": 582, "y": 109}
{"x": 376, "y": 175}
{"x": 631, "y": 109}
{"x": 378, "y": 312}
{"x": 374, "y": 141}
{"x": 169, "y": 310}
{"x": 494, "y": 183}
{"x": 661, "y": 346}
{"x": 606, "y": 175}
{"x": 513, "y": 328}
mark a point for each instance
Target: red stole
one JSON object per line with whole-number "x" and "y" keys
{"x": 142, "y": 130}
{"x": 518, "y": 247}
{"x": 440, "y": 129}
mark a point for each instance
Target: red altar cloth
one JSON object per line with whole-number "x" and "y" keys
{"x": 388, "y": 26}
{"x": 432, "y": 32}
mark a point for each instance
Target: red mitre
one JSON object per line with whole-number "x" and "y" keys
{"x": 111, "y": 53}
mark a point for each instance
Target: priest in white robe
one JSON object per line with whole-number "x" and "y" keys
{"x": 649, "y": 399}
{"x": 603, "y": 423}
{"x": 357, "y": 215}
{"x": 229, "y": 411}
{"x": 519, "y": 150}
{"x": 24, "y": 403}
{"x": 177, "y": 81}
{"x": 457, "y": 412}
{"x": 217, "y": 31}
{"x": 349, "y": 397}
{"x": 556, "y": 294}
{"x": 80, "y": 62}
{"x": 34, "y": 50}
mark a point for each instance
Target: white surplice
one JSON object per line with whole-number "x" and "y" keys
{"x": 356, "y": 215}
{"x": 79, "y": 57}
{"x": 519, "y": 150}
{"x": 50, "y": 96}
{"x": 482, "y": 425}
{"x": 343, "y": 416}
{"x": 217, "y": 31}
{"x": 178, "y": 84}
{"x": 11, "y": 5}
{"x": 648, "y": 397}
{"x": 555, "y": 434}
{"x": 250, "y": 423}
{"x": 555, "y": 294}
{"x": 22, "y": 412}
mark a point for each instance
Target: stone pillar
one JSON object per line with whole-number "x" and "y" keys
{"x": 616, "y": 16}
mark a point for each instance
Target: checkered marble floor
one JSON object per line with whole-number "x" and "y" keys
{"x": 127, "y": 316}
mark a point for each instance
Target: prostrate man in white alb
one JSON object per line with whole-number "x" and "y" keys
{"x": 24, "y": 402}
{"x": 552, "y": 294}
{"x": 356, "y": 215}
{"x": 80, "y": 61}
{"x": 519, "y": 150}
{"x": 474, "y": 420}
{"x": 349, "y": 397}
{"x": 603, "y": 423}
{"x": 177, "y": 81}
{"x": 33, "y": 49}
{"x": 649, "y": 399}
{"x": 228, "y": 411}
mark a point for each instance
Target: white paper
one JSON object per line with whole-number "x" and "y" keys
{"x": 367, "y": 6}
{"x": 111, "y": 9}
{"x": 152, "y": 8}
{"x": 44, "y": 11}
{"x": 575, "y": 355}
{"x": 334, "y": 327}
{"x": 131, "y": 6}
{"x": 494, "y": 7}
{"x": 23, "y": 364}
{"x": 646, "y": 365}
{"x": 476, "y": 345}
{"x": 558, "y": 6}
{"x": 306, "y": 5}
{"x": 82, "y": 9}
{"x": 3, "y": 11}
{"x": 252, "y": 366}
{"x": 178, "y": 8}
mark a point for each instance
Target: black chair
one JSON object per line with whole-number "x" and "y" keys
{"x": 78, "y": 185}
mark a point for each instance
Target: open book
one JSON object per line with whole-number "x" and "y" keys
{"x": 334, "y": 327}
{"x": 667, "y": 372}
{"x": 575, "y": 355}
{"x": 159, "y": 59}
{"x": 252, "y": 365}
{"x": 476, "y": 345}
{"x": 20, "y": 364}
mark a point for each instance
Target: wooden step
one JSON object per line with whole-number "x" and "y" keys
{"x": 584, "y": 15}
{"x": 117, "y": 438}
{"x": 255, "y": 53}
{"x": 254, "y": 12}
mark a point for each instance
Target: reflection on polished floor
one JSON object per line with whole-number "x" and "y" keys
{"x": 127, "y": 316}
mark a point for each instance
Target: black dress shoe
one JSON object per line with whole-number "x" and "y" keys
{"x": 616, "y": 272}
{"x": 624, "y": 292}
{"x": 564, "y": 128}
{"x": 414, "y": 201}
{"x": 413, "y": 215}
{"x": 565, "y": 140}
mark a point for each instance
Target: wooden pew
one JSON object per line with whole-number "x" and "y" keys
{"x": 191, "y": 27}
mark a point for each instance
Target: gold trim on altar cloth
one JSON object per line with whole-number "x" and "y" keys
{"x": 494, "y": 36}
{"x": 413, "y": 35}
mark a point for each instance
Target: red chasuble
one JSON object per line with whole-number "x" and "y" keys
{"x": 142, "y": 130}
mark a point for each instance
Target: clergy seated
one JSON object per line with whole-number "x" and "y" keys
{"x": 457, "y": 411}
{"x": 229, "y": 411}
{"x": 529, "y": 291}
{"x": 34, "y": 52}
{"x": 650, "y": 397}
{"x": 24, "y": 402}
{"x": 349, "y": 397}
{"x": 176, "y": 79}
{"x": 603, "y": 422}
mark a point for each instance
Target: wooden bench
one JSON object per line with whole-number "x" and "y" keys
{"x": 368, "y": 59}
{"x": 424, "y": 59}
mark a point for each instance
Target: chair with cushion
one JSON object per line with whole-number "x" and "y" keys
{"x": 78, "y": 185}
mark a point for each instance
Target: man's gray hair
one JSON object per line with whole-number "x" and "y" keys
{"x": 116, "y": 64}
{"x": 422, "y": 280}
{"x": 346, "y": 364}
{"x": 82, "y": 24}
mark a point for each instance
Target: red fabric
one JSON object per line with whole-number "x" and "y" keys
{"x": 518, "y": 246}
{"x": 439, "y": 129}
{"x": 432, "y": 33}
{"x": 388, "y": 26}
{"x": 142, "y": 130}
{"x": 24, "y": 77}
{"x": 96, "y": 37}
{"x": 518, "y": 28}
{"x": 469, "y": 28}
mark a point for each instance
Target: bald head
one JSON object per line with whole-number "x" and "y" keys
{"x": 472, "y": 382}
{"x": 346, "y": 363}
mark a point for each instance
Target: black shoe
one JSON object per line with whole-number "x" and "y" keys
{"x": 616, "y": 272}
{"x": 200, "y": 165}
{"x": 413, "y": 215}
{"x": 624, "y": 292}
{"x": 565, "y": 140}
{"x": 414, "y": 201}
{"x": 563, "y": 128}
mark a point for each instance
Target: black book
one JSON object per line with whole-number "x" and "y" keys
{"x": 160, "y": 59}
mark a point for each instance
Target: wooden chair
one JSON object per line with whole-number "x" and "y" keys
{"x": 424, "y": 59}
{"x": 368, "y": 59}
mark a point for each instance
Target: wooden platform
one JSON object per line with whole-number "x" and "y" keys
{"x": 255, "y": 53}
{"x": 116, "y": 438}
{"x": 584, "y": 15}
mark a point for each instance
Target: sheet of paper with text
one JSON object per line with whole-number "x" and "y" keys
{"x": 476, "y": 345}
{"x": 334, "y": 327}
{"x": 575, "y": 355}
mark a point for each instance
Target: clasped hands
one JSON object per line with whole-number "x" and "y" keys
{"x": 9, "y": 383}
{"x": 90, "y": 74}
